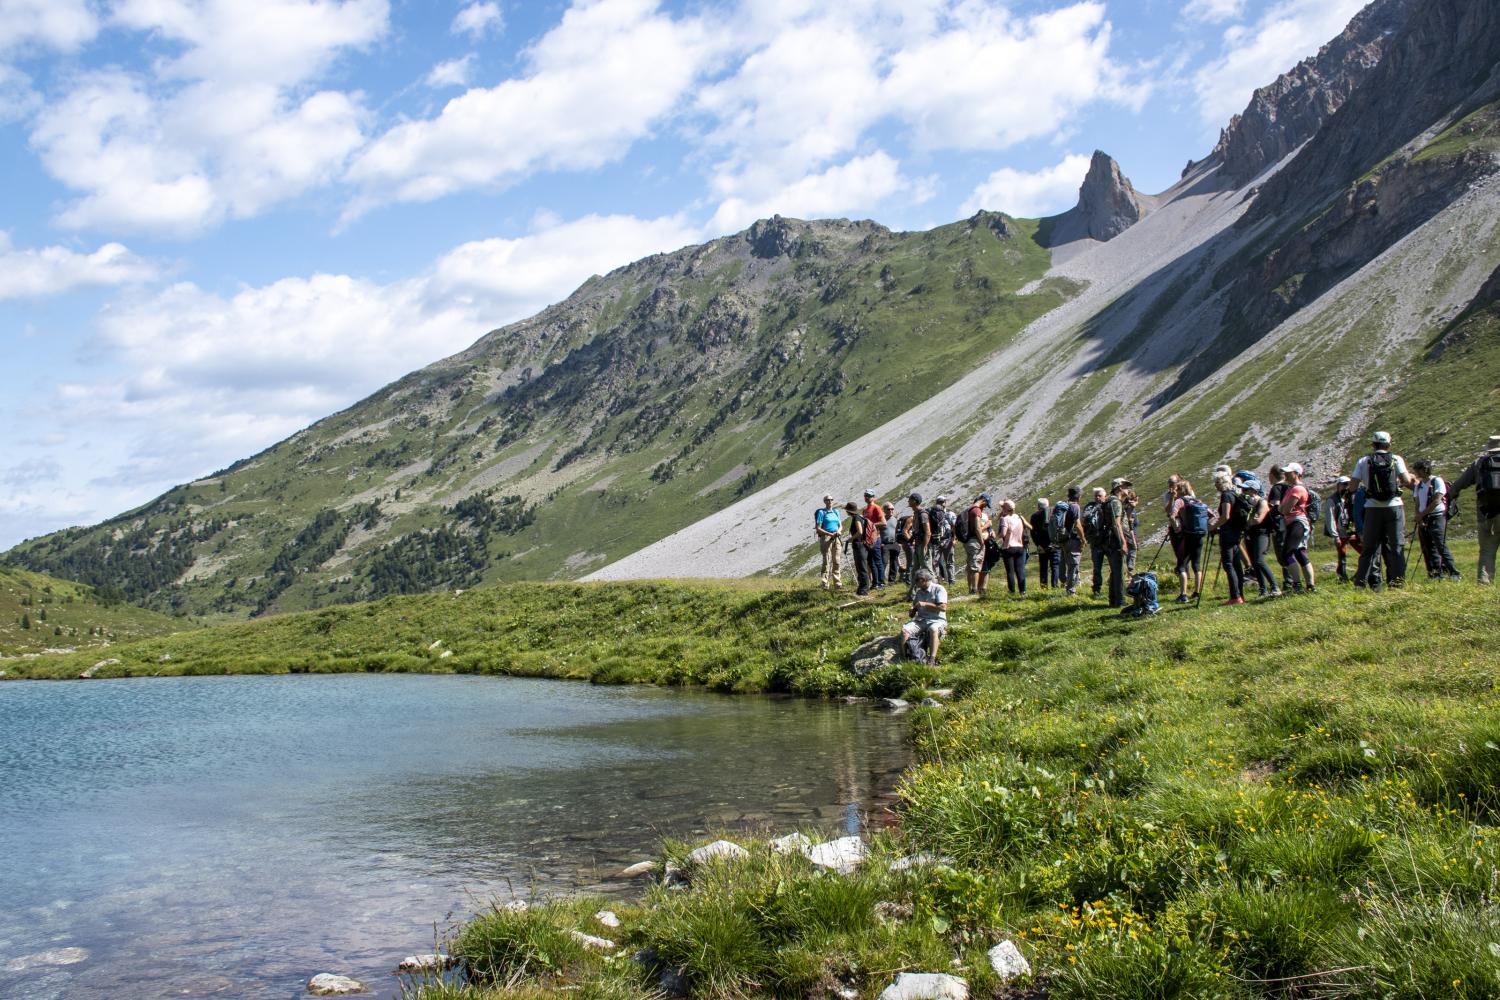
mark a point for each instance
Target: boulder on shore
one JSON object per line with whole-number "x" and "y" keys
{"x": 326, "y": 984}
{"x": 792, "y": 843}
{"x": 877, "y": 654}
{"x": 842, "y": 855}
{"x": 435, "y": 962}
{"x": 926, "y": 986}
{"x": 718, "y": 849}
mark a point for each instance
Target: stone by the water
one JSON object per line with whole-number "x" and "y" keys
{"x": 792, "y": 843}
{"x": 895, "y": 704}
{"x": 638, "y": 869}
{"x": 842, "y": 855}
{"x": 926, "y": 986}
{"x": 326, "y": 984}
{"x": 591, "y": 942}
{"x": 435, "y": 962}
{"x": 1008, "y": 962}
{"x": 918, "y": 860}
{"x": 727, "y": 849}
{"x": 607, "y": 918}
{"x": 877, "y": 654}
{"x": 515, "y": 906}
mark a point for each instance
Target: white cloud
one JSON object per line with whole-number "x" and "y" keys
{"x": 597, "y": 82}
{"x": 1213, "y": 11}
{"x": 858, "y": 184}
{"x": 451, "y": 72}
{"x": 224, "y": 128}
{"x": 1031, "y": 195}
{"x": 479, "y": 19}
{"x": 1254, "y": 55}
{"x": 56, "y": 24}
{"x": 33, "y": 273}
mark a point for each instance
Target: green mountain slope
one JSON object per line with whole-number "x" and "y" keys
{"x": 43, "y": 614}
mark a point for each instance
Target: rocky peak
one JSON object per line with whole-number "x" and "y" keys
{"x": 1107, "y": 202}
{"x": 773, "y": 237}
{"x": 1288, "y": 112}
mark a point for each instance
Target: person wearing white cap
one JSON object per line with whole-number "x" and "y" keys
{"x": 1431, "y": 497}
{"x": 828, "y": 526}
{"x": 1484, "y": 475}
{"x": 1295, "y": 503}
{"x": 875, "y": 514}
{"x": 1383, "y": 473}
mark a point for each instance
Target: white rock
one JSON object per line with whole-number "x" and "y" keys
{"x": 516, "y": 906}
{"x": 435, "y": 962}
{"x": 792, "y": 843}
{"x": 718, "y": 849}
{"x": 895, "y": 704}
{"x": 446, "y": 653}
{"x": 325, "y": 984}
{"x": 164, "y": 658}
{"x": 43, "y": 959}
{"x": 607, "y": 918}
{"x": 1008, "y": 962}
{"x": 638, "y": 869}
{"x": 91, "y": 671}
{"x": 437, "y": 644}
{"x": 931, "y": 703}
{"x": 926, "y": 986}
{"x": 842, "y": 855}
{"x": 918, "y": 860}
{"x": 941, "y": 692}
{"x": 591, "y": 942}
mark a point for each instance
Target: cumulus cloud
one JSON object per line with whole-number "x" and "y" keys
{"x": 451, "y": 72}
{"x": 35, "y": 272}
{"x": 857, "y": 184}
{"x": 223, "y": 128}
{"x": 600, "y": 80}
{"x": 54, "y": 24}
{"x": 1254, "y": 54}
{"x": 1213, "y": 11}
{"x": 1032, "y": 194}
{"x": 479, "y": 19}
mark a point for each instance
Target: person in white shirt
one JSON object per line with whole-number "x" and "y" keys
{"x": 1431, "y": 496}
{"x": 1383, "y": 473}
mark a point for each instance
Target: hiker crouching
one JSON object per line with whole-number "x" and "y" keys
{"x": 923, "y": 635}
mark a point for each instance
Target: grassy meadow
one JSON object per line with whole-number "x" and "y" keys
{"x": 39, "y": 612}
{"x": 1287, "y": 798}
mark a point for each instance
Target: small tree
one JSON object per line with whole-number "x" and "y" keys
{"x": 25, "y": 620}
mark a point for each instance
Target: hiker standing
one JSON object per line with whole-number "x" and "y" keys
{"x": 1276, "y": 483}
{"x": 1296, "y": 514}
{"x": 904, "y": 529}
{"x": 1093, "y": 530}
{"x": 1343, "y": 524}
{"x": 1115, "y": 540}
{"x": 976, "y": 533}
{"x": 921, "y": 537}
{"x": 1231, "y": 530}
{"x": 1259, "y": 535}
{"x": 828, "y": 525}
{"x": 890, "y": 543}
{"x": 942, "y": 539}
{"x": 1189, "y": 518}
{"x": 1132, "y": 524}
{"x": 1067, "y": 532}
{"x": 1431, "y": 497}
{"x": 1046, "y": 553}
{"x": 860, "y": 545}
{"x": 1484, "y": 475}
{"x": 1383, "y": 473}
{"x": 1012, "y": 530}
{"x": 875, "y": 514}
{"x": 1169, "y": 506}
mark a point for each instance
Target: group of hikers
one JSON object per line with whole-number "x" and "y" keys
{"x": 1251, "y": 519}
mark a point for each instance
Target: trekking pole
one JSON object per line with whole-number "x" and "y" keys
{"x": 1152, "y": 567}
{"x": 1217, "y": 566}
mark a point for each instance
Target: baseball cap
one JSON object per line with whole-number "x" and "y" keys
{"x": 1345, "y": 479}
{"x": 1380, "y": 437}
{"x": 985, "y": 497}
{"x": 1295, "y": 467}
{"x": 940, "y": 499}
{"x": 915, "y": 496}
{"x": 869, "y": 493}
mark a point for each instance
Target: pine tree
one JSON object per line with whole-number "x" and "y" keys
{"x": 25, "y": 620}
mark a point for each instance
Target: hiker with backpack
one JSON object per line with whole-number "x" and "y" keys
{"x": 828, "y": 526}
{"x": 921, "y": 538}
{"x": 1230, "y": 524}
{"x": 890, "y": 544}
{"x": 1169, "y": 506}
{"x": 905, "y": 527}
{"x": 1298, "y": 511}
{"x": 1093, "y": 532}
{"x": 860, "y": 543}
{"x": 1189, "y": 520}
{"x": 1383, "y": 473}
{"x": 1343, "y": 525}
{"x": 974, "y": 531}
{"x": 1484, "y": 475}
{"x": 875, "y": 514}
{"x": 1046, "y": 553}
{"x": 923, "y": 635}
{"x": 1012, "y": 530}
{"x": 1064, "y": 527}
{"x": 1132, "y": 524}
{"x": 1115, "y": 541}
{"x": 1259, "y": 535}
{"x": 942, "y": 528}
{"x": 1433, "y": 505}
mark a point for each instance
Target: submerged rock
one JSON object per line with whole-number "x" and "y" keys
{"x": 718, "y": 849}
{"x": 842, "y": 855}
{"x": 326, "y": 984}
{"x": 1008, "y": 962}
{"x": 926, "y": 986}
{"x": 46, "y": 959}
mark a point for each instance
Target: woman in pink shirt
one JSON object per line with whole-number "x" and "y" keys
{"x": 1011, "y": 531}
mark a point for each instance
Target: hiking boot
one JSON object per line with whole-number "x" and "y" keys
{"x": 1184, "y": 599}
{"x": 1273, "y": 595}
{"x": 1311, "y": 589}
{"x": 1234, "y": 600}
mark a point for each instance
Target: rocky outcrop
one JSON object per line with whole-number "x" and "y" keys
{"x": 1285, "y": 114}
{"x": 1107, "y": 202}
{"x": 877, "y": 654}
{"x": 773, "y": 237}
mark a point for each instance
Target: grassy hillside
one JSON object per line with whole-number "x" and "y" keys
{"x": 40, "y": 612}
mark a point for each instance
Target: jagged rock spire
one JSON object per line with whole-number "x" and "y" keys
{"x": 1107, "y": 202}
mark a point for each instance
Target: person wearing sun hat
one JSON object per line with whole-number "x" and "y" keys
{"x": 1383, "y": 473}
{"x": 1484, "y": 475}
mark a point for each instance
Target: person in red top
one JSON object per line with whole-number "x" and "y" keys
{"x": 1294, "y": 504}
{"x": 875, "y": 514}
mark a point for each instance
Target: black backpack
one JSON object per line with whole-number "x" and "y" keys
{"x": 937, "y": 522}
{"x": 1382, "y": 472}
{"x": 1488, "y": 481}
{"x": 967, "y": 527}
{"x": 1093, "y": 522}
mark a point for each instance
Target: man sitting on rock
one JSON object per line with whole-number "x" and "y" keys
{"x": 929, "y": 613}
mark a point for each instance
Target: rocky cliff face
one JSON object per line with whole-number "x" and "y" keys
{"x": 1107, "y": 202}
{"x": 1288, "y": 112}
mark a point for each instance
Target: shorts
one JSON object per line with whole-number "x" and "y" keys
{"x": 914, "y": 629}
{"x": 975, "y": 551}
{"x": 1295, "y": 538}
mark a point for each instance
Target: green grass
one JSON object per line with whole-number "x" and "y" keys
{"x": 1210, "y": 803}
{"x": 59, "y": 614}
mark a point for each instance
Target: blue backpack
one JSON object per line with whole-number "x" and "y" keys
{"x": 1061, "y": 521}
{"x": 1195, "y": 521}
{"x": 1142, "y": 591}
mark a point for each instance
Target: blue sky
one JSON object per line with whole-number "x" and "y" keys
{"x": 224, "y": 219}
